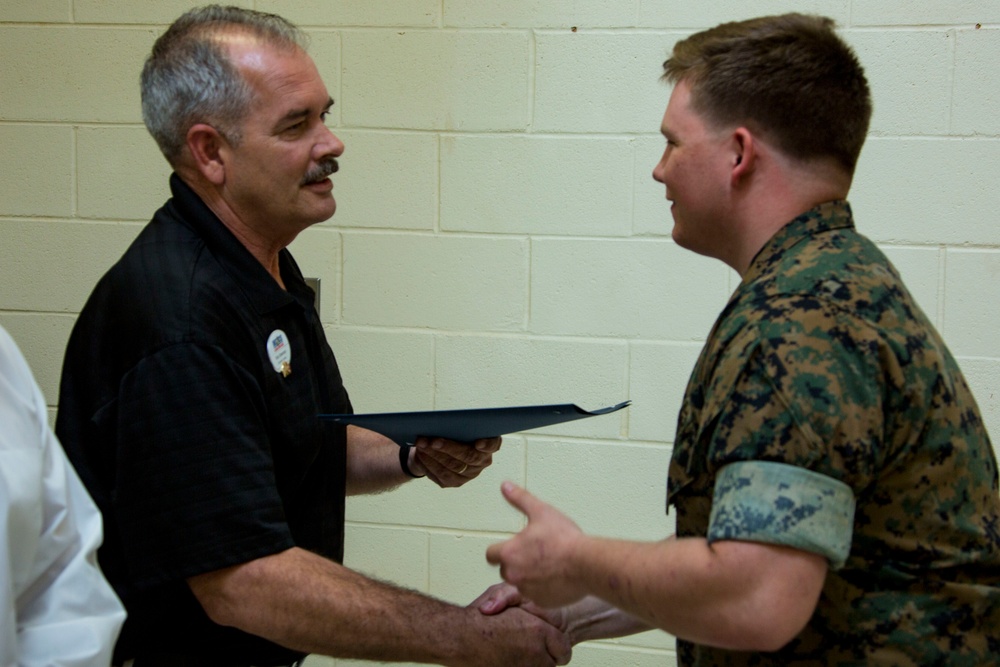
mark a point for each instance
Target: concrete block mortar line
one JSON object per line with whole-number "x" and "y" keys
{"x": 437, "y": 200}
{"x": 953, "y": 67}
{"x": 942, "y": 275}
{"x": 605, "y": 441}
{"x": 74, "y": 166}
{"x": 633, "y": 142}
{"x": 533, "y": 61}
{"x": 528, "y": 259}
{"x": 973, "y": 357}
{"x": 532, "y": 337}
{"x": 443, "y": 29}
{"x": 625, "y": 423}
{"x": 340, "y": 81}
{"x": 434, "y": 375}
{"x": 427, "y": 560}
{"x": 340, "y": 276}
{"x": 432, "y": 530}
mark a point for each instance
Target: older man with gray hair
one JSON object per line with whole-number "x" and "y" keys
{"x": 195, "y": 374}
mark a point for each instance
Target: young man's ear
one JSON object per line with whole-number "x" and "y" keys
{"x": 744, "y": 153}
{"x": 206, "y": 147}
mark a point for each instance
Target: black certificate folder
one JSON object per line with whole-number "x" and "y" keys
{"x": 467, "y": 425}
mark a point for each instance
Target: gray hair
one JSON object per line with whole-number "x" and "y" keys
{"x": 189, "y": 78}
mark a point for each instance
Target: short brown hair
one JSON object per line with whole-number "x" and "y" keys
{"x": 788, "y": 77}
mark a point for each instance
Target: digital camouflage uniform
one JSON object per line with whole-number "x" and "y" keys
{"x": 822, "y": 361}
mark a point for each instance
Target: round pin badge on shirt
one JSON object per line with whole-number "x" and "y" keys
{"x": 279, "y": 351}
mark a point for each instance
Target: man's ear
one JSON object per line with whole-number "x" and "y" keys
{"x": 743, "y": 155}
{"x": 206, "y": 147}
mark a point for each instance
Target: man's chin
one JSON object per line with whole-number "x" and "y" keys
{"x": 327, "y": 215}
{"x": 323, "y": 210}
{"x": 684, "y": 240}
{"x": 677, "y": 231}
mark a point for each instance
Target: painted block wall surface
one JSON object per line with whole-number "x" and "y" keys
{"x": 498, "y": 237}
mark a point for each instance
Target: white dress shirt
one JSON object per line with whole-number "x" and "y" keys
{"x": 56, "y": 608}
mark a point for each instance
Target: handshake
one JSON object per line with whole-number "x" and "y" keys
{"x": 540, "y": 601}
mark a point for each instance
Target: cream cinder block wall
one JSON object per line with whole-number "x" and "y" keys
{"x": 499, "y": 240}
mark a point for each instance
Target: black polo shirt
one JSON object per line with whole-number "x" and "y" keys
{"x": 200, "y": 454}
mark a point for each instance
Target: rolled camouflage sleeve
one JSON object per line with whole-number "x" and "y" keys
{"x": 776, "y": 503}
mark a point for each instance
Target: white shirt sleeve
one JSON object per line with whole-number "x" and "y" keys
{"x": 56, "y": 607}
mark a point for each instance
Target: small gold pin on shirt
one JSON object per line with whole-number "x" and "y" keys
{"x": 279, "y": 351}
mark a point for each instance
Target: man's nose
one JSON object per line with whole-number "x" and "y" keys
{"x": 329, "y": 144}
{"x": 658, "y": 172}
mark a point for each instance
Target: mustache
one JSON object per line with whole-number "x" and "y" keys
{"x": 323, "y": 168}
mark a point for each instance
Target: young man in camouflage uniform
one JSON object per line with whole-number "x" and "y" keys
{"x": 835, "y": 488}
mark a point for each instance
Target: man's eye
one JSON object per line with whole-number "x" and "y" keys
{"x": 322, "y": 116}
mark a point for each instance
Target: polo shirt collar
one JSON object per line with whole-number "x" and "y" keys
{"x": 259, "y": 287}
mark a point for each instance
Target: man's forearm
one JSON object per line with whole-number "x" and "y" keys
{"x": 724, "y": 594}
{"x": 308, "y": 603}
{"x": 593, "y": 618}
{"x": 305, "y": 602}
{"x": 372, "y": 462}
